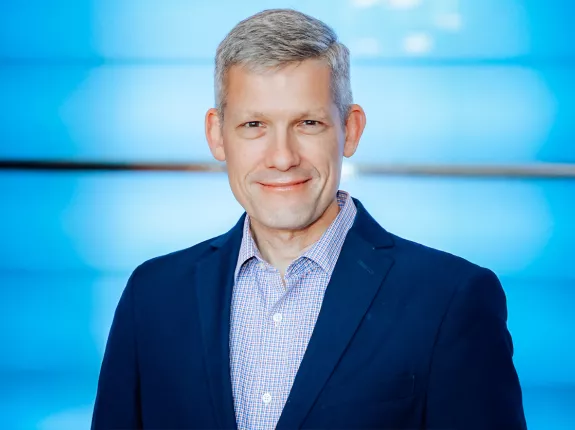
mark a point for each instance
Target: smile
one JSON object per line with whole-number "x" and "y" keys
{"x": 284, "y": 186}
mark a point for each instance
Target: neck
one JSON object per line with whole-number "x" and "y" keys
{"x": 281, "y": 247}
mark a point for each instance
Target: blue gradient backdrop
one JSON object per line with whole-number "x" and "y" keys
{"x": 442, "y": 81}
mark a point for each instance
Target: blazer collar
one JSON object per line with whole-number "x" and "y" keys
{"x": 213, "y": 285}
{"x": 356, "y": 280}
{"x": 367, "y": 228}
{"x": 364, "y": 226}
{"x": 357, "y": 277}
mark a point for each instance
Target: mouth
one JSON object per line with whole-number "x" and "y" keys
{"x": 284, "y": 186}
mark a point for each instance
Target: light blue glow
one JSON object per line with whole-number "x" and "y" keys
{"x": 415, "y": 115}
{"x": 442, "y": 81}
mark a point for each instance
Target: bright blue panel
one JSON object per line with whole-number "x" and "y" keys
{"x": 56, "y": 322}
{"x": 108, "y": 113}
{"x": 549, "y": 407}
{"x": 541, "y": 322}
{"x": 32, "y": 121}
{"x": 107, "y": 221}
{"x": 415, "y": 114}
{"x": 466, "y": 114}
{"x": 113, "y": 221}
{"x": 46, "y": 401}
{"x": 372, "y": 28}
{"x": 515, "y": 227}
{"x": 44, "y": 29}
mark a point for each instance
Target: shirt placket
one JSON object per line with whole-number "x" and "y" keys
{"x": 268, "y": 394}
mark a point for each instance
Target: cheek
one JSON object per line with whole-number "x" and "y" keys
{"x": 240, "y": 163}
{"x": 325, "y": 156}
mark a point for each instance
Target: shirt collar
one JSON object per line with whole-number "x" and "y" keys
{"x": 324, "y": 252}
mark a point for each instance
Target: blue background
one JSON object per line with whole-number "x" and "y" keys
{"x": 465, "y": 82}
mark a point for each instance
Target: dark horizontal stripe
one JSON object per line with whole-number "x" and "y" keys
{"x": 108, "y": 166}
{"x": 535, "y": 170}
{"x": 96, "y": 61}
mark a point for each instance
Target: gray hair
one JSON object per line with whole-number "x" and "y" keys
{"x": 276, "y": 37}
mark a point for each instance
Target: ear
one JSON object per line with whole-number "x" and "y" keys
{"x": 354, "y": 126}
{"x": 214, "y": 134}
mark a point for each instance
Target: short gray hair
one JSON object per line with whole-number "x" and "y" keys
{"x": 276, "y": 37}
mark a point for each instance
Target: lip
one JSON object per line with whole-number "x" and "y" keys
{"x": 284, "y": 186}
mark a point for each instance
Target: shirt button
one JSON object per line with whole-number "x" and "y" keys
{"x": 277, "y": 318}
{"x": 267, "y": 397}
{"x": 262, "y": 266}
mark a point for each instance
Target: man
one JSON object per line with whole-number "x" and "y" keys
{"x": 307, "y": 313}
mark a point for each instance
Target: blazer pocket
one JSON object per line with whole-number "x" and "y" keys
{"x": 394, "y": 388}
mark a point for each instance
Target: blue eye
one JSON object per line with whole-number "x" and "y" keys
{"x": 310, "y": 122}
{"x": 252, "y": 124}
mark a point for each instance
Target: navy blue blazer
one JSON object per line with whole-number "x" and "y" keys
{"x": 408, "y": 337}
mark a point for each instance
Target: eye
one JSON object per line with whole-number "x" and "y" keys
{"x": 312, "y": 126}
{"x": 252, "y": 124}
{"x": 252, "y": 129}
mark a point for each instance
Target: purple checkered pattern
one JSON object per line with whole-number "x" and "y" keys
{"x": 271, "y": 324}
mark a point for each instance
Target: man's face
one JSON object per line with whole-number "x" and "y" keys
{"x": 282, "y": 139}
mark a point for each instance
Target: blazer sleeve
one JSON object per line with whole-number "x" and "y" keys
{"x": 473, "y": 383}
{"x": 117, "y": 403}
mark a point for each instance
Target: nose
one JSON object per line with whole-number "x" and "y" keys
{"x": 282, "y": 152}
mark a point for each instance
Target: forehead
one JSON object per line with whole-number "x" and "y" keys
{"x": 293, "y": 87}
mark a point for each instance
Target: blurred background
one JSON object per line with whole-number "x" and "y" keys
{"x": 469, "y": 147}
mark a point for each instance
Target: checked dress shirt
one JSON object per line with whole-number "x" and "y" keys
{"x": 272, "y": 323}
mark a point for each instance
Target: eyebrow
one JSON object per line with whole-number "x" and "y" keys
{"x": 253, "y": 114}
{"x": 300, "y": 115}
{"x": 313, "y": 113}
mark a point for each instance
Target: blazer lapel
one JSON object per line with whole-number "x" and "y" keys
{"x": 214, "y": 285}
{"x": 356, "y": 279}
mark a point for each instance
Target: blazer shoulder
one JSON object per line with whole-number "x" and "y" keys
{"x": 176, "y": 261}
{"x": 433, "y": 278}
{"x": 435, "y": 264}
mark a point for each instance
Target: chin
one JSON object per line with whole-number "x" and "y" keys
{"x": 284, "y": 220}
